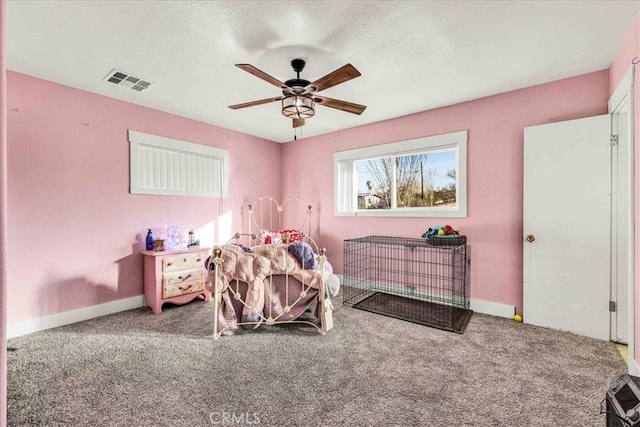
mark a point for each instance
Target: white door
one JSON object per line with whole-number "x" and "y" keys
{"x": 567, "y": 211}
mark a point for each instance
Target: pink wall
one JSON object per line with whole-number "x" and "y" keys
{"x": 73, "y": 226}
{"x": 3, "y": 217}
{"x": 629, "y": 50}
{"x": 495, "y": 174}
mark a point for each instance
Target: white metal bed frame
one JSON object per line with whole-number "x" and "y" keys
{"x": 267, "y": 316}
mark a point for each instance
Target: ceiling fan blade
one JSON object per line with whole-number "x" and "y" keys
{"x": 298, "y": 123}
{"x": 341, "y": 75}
{"x": 262, "y": 75}
{"x": 349, "y": 107}
{"x": 258, "y": 102}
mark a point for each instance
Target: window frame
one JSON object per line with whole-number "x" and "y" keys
{"x": 346, "y": 182}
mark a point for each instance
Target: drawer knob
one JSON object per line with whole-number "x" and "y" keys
{"x": 185, "y": 278}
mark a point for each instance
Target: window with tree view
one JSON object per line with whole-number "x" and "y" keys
{"x": 422, "y": 177}
{"x": 413, "y": 181}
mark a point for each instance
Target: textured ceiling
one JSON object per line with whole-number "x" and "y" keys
{"x": 413, "y": 55}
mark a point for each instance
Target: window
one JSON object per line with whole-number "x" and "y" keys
{"x": 419, "y": 177}
{"x": 160, "y": 165}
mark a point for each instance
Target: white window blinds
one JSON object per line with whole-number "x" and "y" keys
{"x": 160, "y": 165}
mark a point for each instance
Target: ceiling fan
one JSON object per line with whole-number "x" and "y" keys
{"x": 299, "y": 96}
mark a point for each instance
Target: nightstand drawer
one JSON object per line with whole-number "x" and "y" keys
{"x": 177, "y": 277}
{"x": 184, "y": 288}
{"x": 186, "y": 260}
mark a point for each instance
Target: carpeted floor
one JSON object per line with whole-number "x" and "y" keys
{"x": 137, "y": 369}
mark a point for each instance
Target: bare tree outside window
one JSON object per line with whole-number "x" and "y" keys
{"x": 379, "y": 174}
{"x": 414, "y": 184}
{"x": 421, "y": 180}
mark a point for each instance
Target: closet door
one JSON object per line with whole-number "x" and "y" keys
{"x": 567, "y": 226}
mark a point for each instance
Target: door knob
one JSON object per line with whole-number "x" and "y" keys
{"x": 531, "y": 238}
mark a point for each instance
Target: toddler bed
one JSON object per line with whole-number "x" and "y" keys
{"x": 271, "y": 275}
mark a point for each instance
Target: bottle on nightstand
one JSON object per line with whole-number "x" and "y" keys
{"x": 149, "y": 241}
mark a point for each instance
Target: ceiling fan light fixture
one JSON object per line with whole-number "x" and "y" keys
{"x": 298, "y": 107}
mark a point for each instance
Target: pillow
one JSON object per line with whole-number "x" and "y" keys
{"x": 290, "y": 236}
{"x": 269, "y": 237}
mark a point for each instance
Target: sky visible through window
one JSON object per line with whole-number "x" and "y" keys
{"x": 438, "y": 164}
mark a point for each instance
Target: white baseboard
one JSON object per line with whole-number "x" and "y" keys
{"x": 493, "y": 308}
{"x": 24, "y": 327}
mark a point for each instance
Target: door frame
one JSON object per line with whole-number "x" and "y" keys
{"x": 622, "y": 95}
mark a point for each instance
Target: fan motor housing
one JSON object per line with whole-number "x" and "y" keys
{"x": 297, "y": 85}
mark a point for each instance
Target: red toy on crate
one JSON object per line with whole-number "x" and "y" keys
{"x": 444, "y": 236}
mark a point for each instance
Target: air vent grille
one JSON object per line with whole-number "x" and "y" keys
{"x": 123, "y": 79}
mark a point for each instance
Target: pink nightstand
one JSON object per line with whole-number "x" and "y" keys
{"x": 174, "y": 276}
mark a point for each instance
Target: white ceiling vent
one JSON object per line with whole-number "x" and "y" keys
{"x": 127, "y": 80}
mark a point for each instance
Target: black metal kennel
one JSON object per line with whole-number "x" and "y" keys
{"x": 409, "y": 279}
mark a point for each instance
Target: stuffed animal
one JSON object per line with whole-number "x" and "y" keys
{"x": 439, "y": 230}
{"x": 333, "y": 283}
{"x": 303, "y": 253}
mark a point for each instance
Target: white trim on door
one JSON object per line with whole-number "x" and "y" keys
{"x": 623, "y": 96}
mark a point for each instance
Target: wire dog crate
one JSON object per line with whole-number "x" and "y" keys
{"x": 409, "y": 279}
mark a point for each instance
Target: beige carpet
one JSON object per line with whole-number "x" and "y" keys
{"x": 137, "y": 369}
